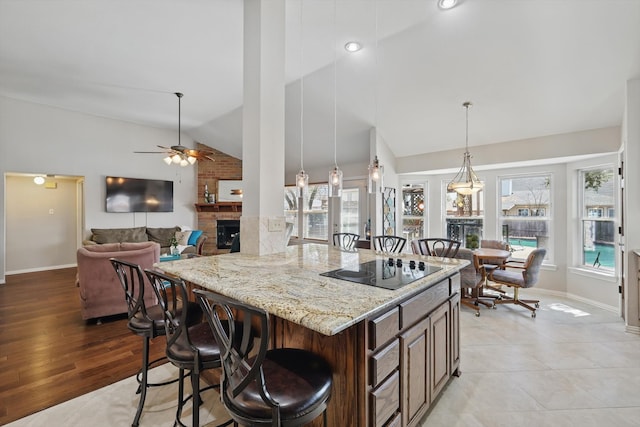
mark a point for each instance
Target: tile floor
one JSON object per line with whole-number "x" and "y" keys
{"x": 571, "y": 366}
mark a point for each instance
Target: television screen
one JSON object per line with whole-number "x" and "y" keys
{"x": 139, "y": 195}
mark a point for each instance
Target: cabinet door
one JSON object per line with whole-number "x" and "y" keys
{"x": 454, "y": 306}
{"x": 414, "y": 345}
{"x": 440, "y": 348}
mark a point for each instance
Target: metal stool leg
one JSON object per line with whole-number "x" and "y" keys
{"x": 142, "y": 387}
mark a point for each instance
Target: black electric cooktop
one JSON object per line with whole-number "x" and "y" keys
{"x": 388, "y": 274}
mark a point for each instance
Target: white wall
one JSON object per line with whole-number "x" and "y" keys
{"x": 40, "y": 139}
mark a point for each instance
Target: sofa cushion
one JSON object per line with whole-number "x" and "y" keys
{"x": 162, "y": 235}
{"x": 117, "y": 235}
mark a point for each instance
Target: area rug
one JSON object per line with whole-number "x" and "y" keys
{"x": 116, "y": 405}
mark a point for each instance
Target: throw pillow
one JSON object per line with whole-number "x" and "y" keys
{"x": 183, "y": 237}
{"x": 195, "y": 235}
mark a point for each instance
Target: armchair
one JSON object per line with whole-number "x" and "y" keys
{"x": 524, "y": 275}
{"x": 472, "y": 278}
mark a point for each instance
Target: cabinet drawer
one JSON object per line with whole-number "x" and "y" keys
{"x": 385, "y": 400}
{"x": 419, "y": 306}
{"x": 384, "y": 362}
{"x": 383, "y": 328}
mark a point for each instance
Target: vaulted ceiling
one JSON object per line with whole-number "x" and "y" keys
{"x": 531, "y": 68}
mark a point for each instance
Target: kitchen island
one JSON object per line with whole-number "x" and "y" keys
{"x": 391, "y": 351}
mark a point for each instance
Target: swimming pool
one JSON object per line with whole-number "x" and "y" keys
{"x": 607, "y": 252}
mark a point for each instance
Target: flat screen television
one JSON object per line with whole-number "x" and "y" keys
{"x": 138, "y": 195}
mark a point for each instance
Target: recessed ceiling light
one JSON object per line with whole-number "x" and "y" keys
{"x": 39, "y": 180}
{"x": 447, "y": 4}
{"x": 352, "y": 46}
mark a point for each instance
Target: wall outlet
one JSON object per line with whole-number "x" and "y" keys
{"x": 276, "y": 224}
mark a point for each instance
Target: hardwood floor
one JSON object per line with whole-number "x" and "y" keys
{"x": 48, "y": 354}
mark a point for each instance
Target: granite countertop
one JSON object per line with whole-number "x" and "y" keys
{"x": 289, "y": 285}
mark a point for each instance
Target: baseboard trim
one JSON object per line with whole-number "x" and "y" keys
{"x": 37, "y": 269}
{"x": 632, "y": 329}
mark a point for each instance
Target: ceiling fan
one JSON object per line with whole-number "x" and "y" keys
{"x": 179, "y": 154}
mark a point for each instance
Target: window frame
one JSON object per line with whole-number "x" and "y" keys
{"x": 547, "y": 211}
{"x": 584, "y": 215}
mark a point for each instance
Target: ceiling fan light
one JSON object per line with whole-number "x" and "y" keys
{"x": 191, "y": 160}
{"x": 184, "y": 162}
{"x": 168, "y": 160}
{"x": 176, "y": 158}
{"x": 447, "y": 4}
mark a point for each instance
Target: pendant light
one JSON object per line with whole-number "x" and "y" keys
{"x": 302, "y": 178}
{"x": 335, "y": 176}
{"x": 466, "y": 181}
{"x": 376, "y": 170}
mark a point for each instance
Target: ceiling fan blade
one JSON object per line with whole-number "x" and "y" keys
{"x": 149, "y": 152}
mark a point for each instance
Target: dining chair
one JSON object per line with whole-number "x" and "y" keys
{"x": 436, "y": 246}
{"x": 146, "y": 321}
{"x": 472, "y": 278}
{"x": 345, "y": 240}
{"x": 389, "y": 244}
{"x": 268, "y": 387}
{"x": 191, "y": 345}
{"x": 524, "y": 275}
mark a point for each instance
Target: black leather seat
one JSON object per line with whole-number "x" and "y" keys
{"x": 147, "y": 322}
{"x": 277, "y": 387}
{"x": 191, "y": 345}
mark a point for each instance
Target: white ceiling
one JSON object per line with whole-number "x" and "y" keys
{"x": 530, "y": 67}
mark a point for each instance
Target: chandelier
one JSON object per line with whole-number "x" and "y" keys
{"x": 466, "y": 181}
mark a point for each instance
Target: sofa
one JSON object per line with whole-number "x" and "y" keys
{"x": 101, "y": 293}
{"x": 189, "y": 241}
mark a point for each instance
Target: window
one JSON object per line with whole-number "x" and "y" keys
{"x": 291, "y": 208}
{"x": 525, "y": 213}
{"x": 314, "y": 211}
{"x": 413, "y": 208}
{"x": 598, "y": 230}
{"x": 464, "y": 216}
{"x": 350, "y": 214}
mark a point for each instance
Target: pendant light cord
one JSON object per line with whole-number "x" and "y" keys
{"x": 335, "y": 78}
{"x": 301, "y": 91}
{"x": 375, "y": 72}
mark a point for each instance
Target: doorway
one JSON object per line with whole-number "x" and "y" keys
{"x": 44, "y": 221}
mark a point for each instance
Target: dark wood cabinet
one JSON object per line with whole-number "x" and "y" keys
{"x": 414, "y": 348}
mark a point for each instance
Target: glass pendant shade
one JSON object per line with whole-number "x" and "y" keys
{"x": 376, "y": 175}
{"x": 168, "y": 160}
{"x": 335, "y": 182}
{"x": 302, "y": 182}
{"x": 191, "y": 160}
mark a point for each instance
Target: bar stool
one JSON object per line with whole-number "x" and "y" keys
{"x": 191, "y": 345}
{"x": 278, "y": 387}
{"x": 145, "y": 321}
